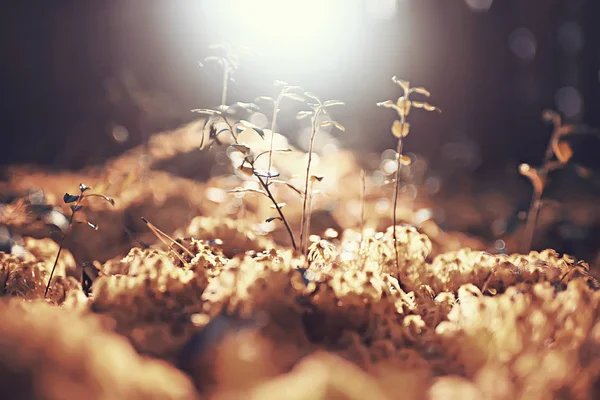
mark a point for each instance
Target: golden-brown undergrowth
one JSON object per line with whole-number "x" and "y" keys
{"x": 466, "y": 324}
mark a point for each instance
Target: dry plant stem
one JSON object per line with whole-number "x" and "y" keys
{"x": 225, "y": 81}
{"x": 363, "y": 199}
{"x": 160, "y": 235}
{"x": 278, "y": 208}
{"x": 536, "y": 202}
{"x": 60, "y": 246}
{"x": 275, "y": 112}
{"x": 303, "y": 224}
{"x": 396, "y": 187}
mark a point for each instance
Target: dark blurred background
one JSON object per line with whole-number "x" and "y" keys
{"x": 85, "y": 80}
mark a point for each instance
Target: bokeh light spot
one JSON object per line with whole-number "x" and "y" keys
{"x": 120, "y": 134}
{"x": 479, "y": 5}
{"x": 523, "y": 44}
{"x": 569, "y": 101}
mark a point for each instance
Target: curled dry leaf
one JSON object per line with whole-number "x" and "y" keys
{"x": 70, "y": 198}
{"x": 405, "y": 160}
{"x": 562, "y": 150}
{"x": 293, "y": 96}
{"x": 206, "y": 111}
{"x": 421, "y": 90}
{"x": 405, "y": 85}
{"x": 303, "y": 114}
{"x": 264, "y": 98}
{"x": 246, "y": 170}
{"x": 247, "y": 190}
{"x": 387, "y": 104}
{"x": 312, "y": 96}
{"x": 279, "y": 205}
{"x": 334, "y": 123}
{"x": 331, "y": 103}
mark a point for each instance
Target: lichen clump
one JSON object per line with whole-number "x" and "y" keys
{"x": 465, "y": 323}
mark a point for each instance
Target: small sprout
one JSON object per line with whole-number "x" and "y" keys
{"x": 556, "y": 148}
{"x": 77, "y": 199}
{"x": 334, "y": 123}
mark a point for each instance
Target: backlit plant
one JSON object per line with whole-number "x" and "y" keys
{"x": 217, "y": 119}
{"x": 285, "y": 91}
{"x": 557, "y": 155}
{"x": 248, "y": 168}
{"x": 319, "y": 109}
{"x": 75, "y": 204}
{"x": 400, "y": 130}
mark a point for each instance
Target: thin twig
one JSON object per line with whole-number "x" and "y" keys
{"x": 62, "y": 241}
{"x": 273, "y": 122}
{"x": 160, "y": 233}
{"x": 303, "y": 223}
{"x": 277, "y": 207}
{"x": 394, "y": 217}
{"x": 536, "y": 200}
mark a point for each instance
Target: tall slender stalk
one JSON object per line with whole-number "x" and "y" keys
{"x": 266, "y": 188}
{"x": 394, "y": 211}
{"x": 60, "y": 246}
{"x": 78, "y": 200}
{"x": 273, "y": 122}
{"x": 225, "y": 81}
{"x": 536, "y": 199}
{"x": 400, "y": 130}
{"x": 305, "y": 216}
